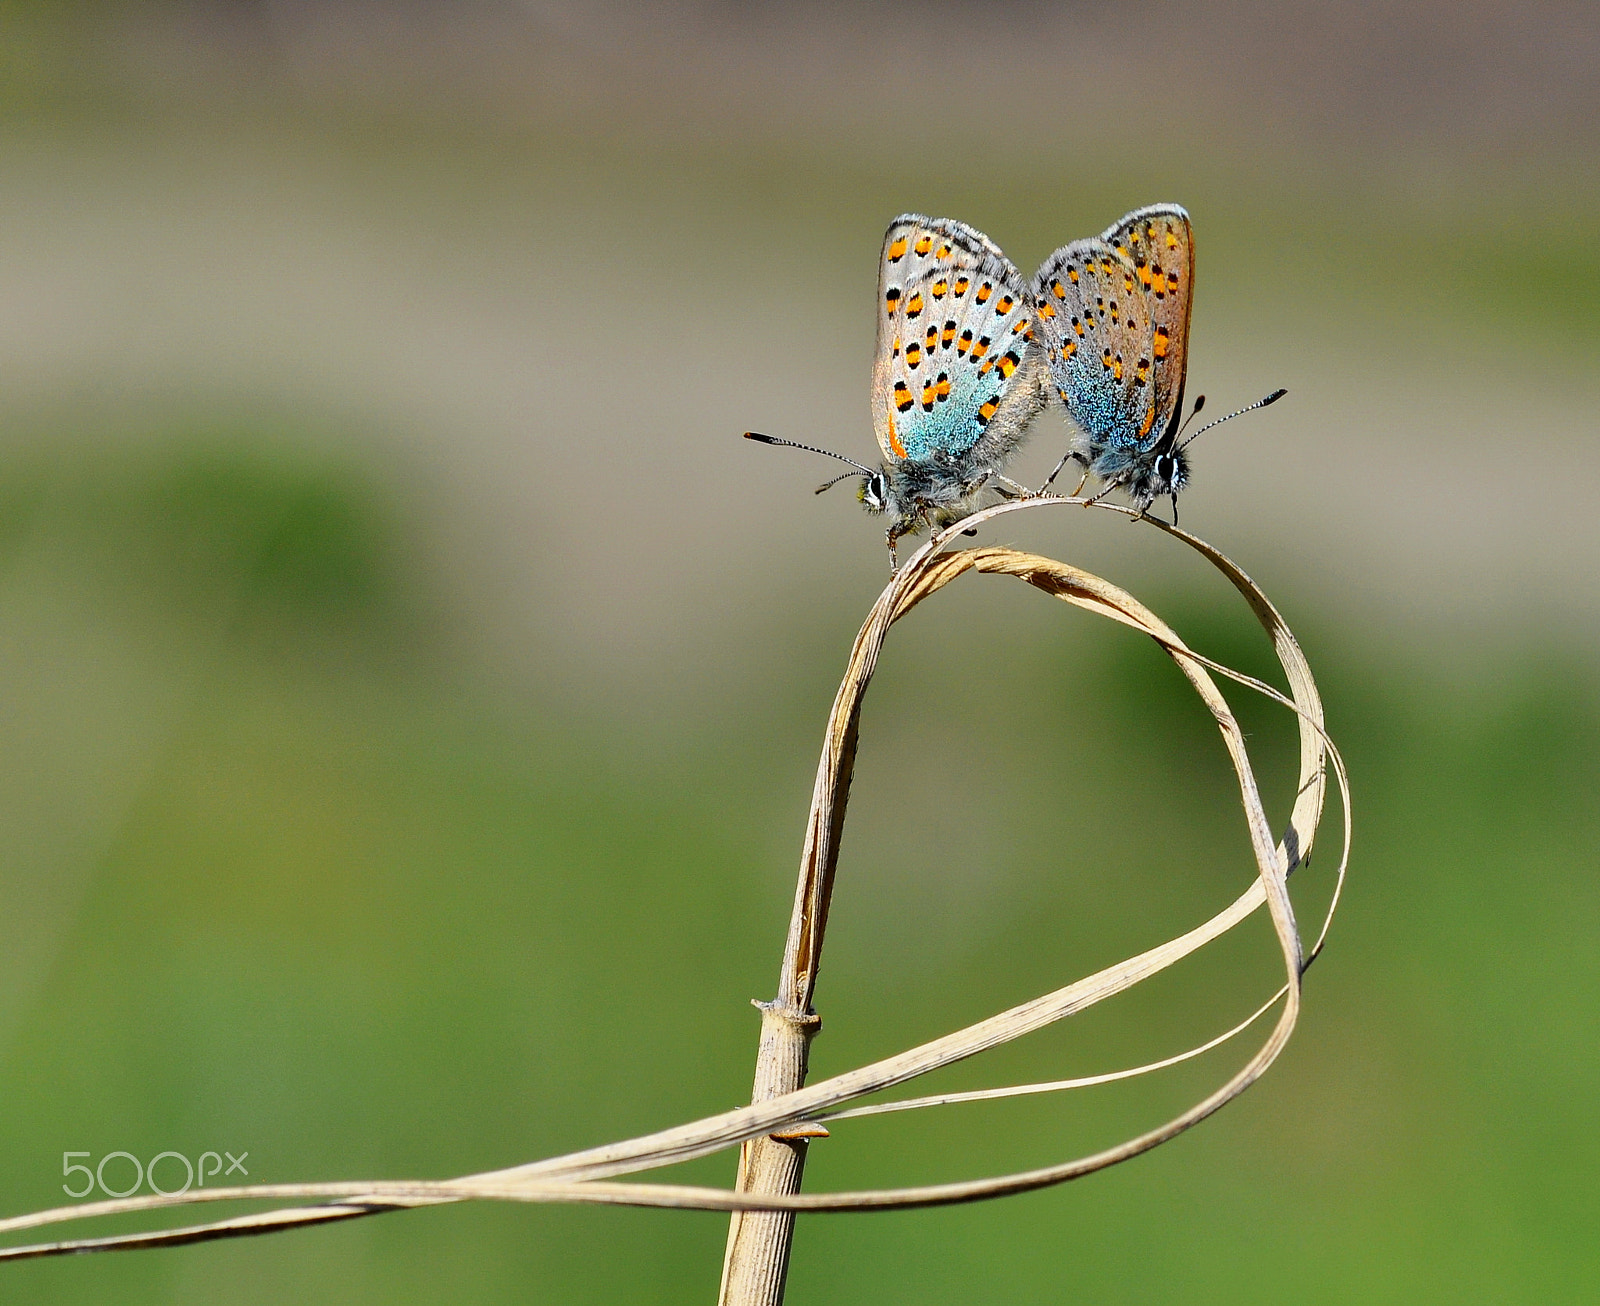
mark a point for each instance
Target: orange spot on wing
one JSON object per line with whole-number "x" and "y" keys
{"x": 898, "y": 449}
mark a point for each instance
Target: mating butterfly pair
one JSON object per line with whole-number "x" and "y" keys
{"x": 968, "y": 353}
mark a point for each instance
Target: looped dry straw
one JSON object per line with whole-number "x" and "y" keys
{"x": 784, "y": 1105}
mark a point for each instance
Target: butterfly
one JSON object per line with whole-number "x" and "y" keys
{"x": 1113, "y": 318}
{"x": 956, "y": 377}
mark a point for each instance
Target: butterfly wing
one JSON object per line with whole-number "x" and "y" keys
{"x": 1159, "y": 242}
{"x": 1094, "y": 323}
{"x": 955, "y": 364}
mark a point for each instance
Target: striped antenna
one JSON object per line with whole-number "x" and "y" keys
{"x": 809, "y": 448}
{"x": 1249, "y": 408}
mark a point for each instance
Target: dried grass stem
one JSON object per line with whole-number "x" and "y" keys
{"x": 775, "y": 1129}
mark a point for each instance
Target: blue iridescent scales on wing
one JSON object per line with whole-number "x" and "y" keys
{"x": 957, "y": 374}
{"x": 1114, "y": 324}
{"x": 967, "y": 356}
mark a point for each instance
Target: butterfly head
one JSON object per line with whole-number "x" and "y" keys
{"x": 1169, "y": 474}
{"x": 874, "y": 491}
{"x": 1162, "y": 476}
{"x": 877, "y": 492}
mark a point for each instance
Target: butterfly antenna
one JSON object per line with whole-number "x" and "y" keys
{"x": 1249, "y": 408}
{"x": 828, "y": 485}
{"x": 809, "y": 448}
{"x": 1199, "y": 403}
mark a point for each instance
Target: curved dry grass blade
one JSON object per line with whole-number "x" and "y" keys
{"x": 574, "y": 1177}
{"x": 1341, "y": 775}
{"x": 1050, "y": 1086}
{"x": 1092, "y": 1081}
{"x": 926, "y": 572}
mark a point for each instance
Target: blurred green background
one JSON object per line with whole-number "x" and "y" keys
{"x": 411, "y": 685}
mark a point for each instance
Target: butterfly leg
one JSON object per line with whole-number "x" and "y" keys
{"x": 907, "y": 525}
{"x": 1144, "y": 512}
{"x": 1050, "y": 480}
{"x": 977, "y": 480}
{"x": 1020, "y": 491}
